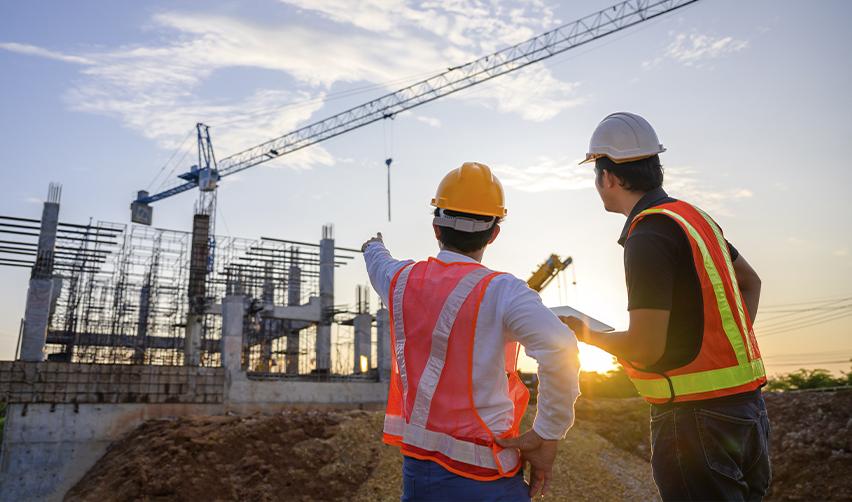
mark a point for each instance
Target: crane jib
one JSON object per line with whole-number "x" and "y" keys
{"x": 587, "y": 29}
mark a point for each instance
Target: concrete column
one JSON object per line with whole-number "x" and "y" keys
{"x": 198, "y": 262}
{"x": 363, "y": 324}
{"x": 233, "y": 317}
{"x": 294, "y": 295}
{"x": 47, "y": 236}
{"x": 142, "y": 325}
{"x": 36, "y": 319}
{"x": 40, "y": 292}
{"x": 192, "y": 340}
{"x": 326, "y": 285}
{"x": 383, "y": 346}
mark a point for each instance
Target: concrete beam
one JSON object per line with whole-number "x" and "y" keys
{"x": 310, "y": 312}
{"x": 129, "y": 341}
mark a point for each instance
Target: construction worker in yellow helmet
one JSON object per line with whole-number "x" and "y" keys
{"x": 690, "y": 348}
{"x": 455, "y": 400}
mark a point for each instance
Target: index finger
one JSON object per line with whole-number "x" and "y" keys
{"x": 536, "y": 481}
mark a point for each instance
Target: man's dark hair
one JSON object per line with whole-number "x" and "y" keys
{"x": 466, "y": 242}
{"x": 641, "y": 175}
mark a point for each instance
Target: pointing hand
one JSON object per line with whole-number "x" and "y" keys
{"x": 377, "y": 238}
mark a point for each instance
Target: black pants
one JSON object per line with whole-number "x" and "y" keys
{"x": 707, "y": 451}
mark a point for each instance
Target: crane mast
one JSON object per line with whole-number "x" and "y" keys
{"x": 582, "y": 31}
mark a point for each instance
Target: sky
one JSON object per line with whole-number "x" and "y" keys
{"x": 749, "y": 98}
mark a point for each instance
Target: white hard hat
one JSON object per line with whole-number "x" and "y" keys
{"x": 622, "y": 137}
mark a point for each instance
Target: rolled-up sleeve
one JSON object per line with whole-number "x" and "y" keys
{"x": 381, "y": 267}
{"x": 553, "y": 345}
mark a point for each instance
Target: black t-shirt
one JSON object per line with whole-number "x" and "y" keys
{"x": 661, "y": 274}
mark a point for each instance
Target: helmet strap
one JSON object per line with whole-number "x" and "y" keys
{"x": 461, "y": 223}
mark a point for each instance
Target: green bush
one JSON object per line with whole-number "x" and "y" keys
{"x": 808, "y": 379}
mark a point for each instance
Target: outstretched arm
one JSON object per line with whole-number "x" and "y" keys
{"x": 381, "y": 266}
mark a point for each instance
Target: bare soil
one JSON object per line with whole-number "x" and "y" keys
{"x": 338, "y": 455}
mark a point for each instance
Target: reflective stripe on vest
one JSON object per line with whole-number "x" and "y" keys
{"x": 414, "y": 432}
{"x": 399, "y": 328}
{"x": 730, "y": 264}
{"x": 737, "y": 333}
{"x": 705, "y": 381}
{"x": 461, "y": 451}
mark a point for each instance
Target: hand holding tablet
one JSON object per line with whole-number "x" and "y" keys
{"x": 593, "y": 323}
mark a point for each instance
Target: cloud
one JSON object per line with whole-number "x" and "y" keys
{"x": 157, "y": 88}
{"x": 546, "y": 174}
{"x": 684, "y": 182}
{"x": 532, "y": 92}
{"x": 695, "y": 49}
{"x": 32, "y": 50}
{"x": 430, "y": 121}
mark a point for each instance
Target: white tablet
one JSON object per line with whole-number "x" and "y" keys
{"x": 593, "y": 323}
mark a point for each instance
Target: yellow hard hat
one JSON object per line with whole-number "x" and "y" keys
{"x": 472, "y": 189}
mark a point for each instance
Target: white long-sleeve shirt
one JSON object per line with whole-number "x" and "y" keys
{"x": 510, "y": 312}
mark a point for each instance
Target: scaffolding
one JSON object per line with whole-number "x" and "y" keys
{"x": 124, "y": 296}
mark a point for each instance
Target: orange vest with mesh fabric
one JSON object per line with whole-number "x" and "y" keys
{"x": 728, "y": 361}
{"x": 431, "y": 413}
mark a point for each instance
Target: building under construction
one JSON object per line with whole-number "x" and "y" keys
{"x": 132, "y": 294}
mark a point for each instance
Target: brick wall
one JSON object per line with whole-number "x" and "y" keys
{"x": 53, "y": 382}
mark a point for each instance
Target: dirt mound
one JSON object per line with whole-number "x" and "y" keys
{"x": 811, "y": 445}
{"x": 315, "y": 456}
{"x": 336, "y": 455}
{"x": 299, "y": 455}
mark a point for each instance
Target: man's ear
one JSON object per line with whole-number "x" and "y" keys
{"x": 608, "y": 180}
{"x": 613, "y": 180}
{"x": 437, "y": 230}
{"x": 494, "y": 233}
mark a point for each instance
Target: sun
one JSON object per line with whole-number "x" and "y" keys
{"x": 595, "y": 359}
{"x": 591, "y": 359}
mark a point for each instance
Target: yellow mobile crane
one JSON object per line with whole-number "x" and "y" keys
{"x": 548, "y": 271}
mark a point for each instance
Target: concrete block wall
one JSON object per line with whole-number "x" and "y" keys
{"x": 56, "y": 383}
{"x": 62, "y": 416}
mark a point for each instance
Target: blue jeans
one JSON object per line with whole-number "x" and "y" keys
{"x": 425, "y": 481}
{"x": 711, "y": 450}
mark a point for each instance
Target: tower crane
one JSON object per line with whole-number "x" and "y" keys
{"x": 569, "y": 36}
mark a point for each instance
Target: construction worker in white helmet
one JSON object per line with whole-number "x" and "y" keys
{"x": 455, "y": 399}
{"x": 690, "y": 348}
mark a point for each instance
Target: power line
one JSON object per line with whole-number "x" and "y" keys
{"x": 799, "y": 319}
{"x": 802, "y": 316}
{"x": 805, "y": 354}
{"x": 809, "y": 323}
{"x": 806, "y": 302}
{"x": 835, "y": 361}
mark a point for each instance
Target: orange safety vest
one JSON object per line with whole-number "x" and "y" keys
{"x": 728, "y": 361}
{"x": 430, "y": 413}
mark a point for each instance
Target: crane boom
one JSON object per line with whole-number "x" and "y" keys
{"x": 592, "y": 27}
